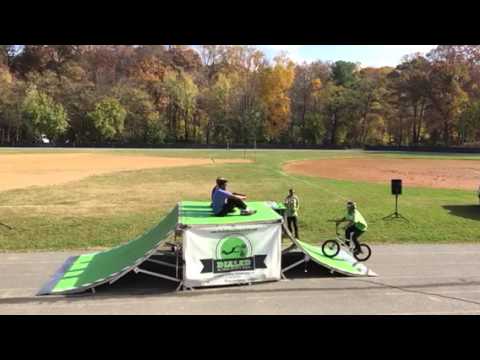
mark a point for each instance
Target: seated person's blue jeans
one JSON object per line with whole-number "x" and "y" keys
{"x": 230, "y": 205}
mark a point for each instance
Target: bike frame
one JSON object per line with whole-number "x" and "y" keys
{"x": 341, "y": 239}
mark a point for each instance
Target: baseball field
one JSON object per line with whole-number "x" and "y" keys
{"x": 59, "y": 199}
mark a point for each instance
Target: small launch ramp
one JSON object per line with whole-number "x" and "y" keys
{"x": 84, "y": 272}
{"x": 344, "y": 263}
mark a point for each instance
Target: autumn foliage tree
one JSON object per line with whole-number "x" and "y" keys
{"x": 219, "y": 94}
{"x": 276, "y": 82}
{"x": 43, "y": 114}
{"x": 108, "y": 118}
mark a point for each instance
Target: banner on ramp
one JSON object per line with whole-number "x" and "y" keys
{"x": 232, "y": 254}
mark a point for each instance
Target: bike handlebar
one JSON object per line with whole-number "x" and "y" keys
{"x": 337, "y": 223}
{"x": 334, "y": 221}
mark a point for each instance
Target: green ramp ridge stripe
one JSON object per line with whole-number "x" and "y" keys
{"x": 343, "y": 263}
{"x": 200, "y": 213}
{"x": 47, "y": 288}
{"x": 87, "y": 271}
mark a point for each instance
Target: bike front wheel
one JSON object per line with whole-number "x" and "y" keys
{"x": 365, "y": 254}
{"x": 330, "y": 248}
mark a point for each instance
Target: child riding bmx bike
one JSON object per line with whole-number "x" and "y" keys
{"x": 356, "y": 226}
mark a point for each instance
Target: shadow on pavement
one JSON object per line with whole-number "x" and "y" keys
{"x": 465, "y": 211}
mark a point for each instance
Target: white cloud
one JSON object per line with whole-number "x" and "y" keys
{"x": 285, "y": 47}
{"x": 391, "y": 55}
{"x": 293, "y": 51}
{"x": 375, "y": 55}
{"x": 409, "y": 49}
{"x": 420, "y": 48}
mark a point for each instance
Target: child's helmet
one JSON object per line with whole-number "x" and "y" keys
{"x": 351, "y": 204}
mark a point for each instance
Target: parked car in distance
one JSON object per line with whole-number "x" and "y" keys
{"x": 44, "y": 139}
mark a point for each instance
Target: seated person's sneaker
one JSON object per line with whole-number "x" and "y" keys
{"x": 248, "y": 212}
{"x": 358, "y": 251}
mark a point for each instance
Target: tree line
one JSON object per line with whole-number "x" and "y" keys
{"x": 218, "y": 94}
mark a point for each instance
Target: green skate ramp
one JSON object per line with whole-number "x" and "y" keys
{"x": 80, "y": 273}
{"x": 194, "y": 213}
{"x": 343, "y": 263}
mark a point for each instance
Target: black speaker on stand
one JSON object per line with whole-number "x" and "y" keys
{"x": 396, "y": 190}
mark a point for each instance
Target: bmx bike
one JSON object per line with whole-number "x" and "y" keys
{"x": 331, "y": 248}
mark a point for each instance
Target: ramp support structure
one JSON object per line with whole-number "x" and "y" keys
{"x": 138, "y": 270}
{"x": 305, "y": 260}
{"x": 182, "y": 287}
{"x": 290, "y": 248}
{"x": 164, "y": 263}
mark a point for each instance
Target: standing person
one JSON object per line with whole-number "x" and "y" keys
{"x": 356, "y": 225}
{"x": 225, "y": 202}
{"x": 292, "y": 204}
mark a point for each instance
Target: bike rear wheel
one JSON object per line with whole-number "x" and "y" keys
{"x": 365, "y": 254}
{"x": 331, "y": 248}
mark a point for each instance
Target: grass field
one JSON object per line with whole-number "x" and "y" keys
{"x": 105, "y": 210}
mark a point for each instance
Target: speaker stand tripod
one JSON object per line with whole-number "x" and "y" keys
{"x": 395, "y": 214}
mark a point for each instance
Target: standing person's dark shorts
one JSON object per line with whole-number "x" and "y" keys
{"x": 292, "y": 222}
{"x": 292, "y": 204}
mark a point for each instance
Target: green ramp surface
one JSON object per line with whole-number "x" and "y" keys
{"x": 87, "y": 271}
{"x": 343, "y": 263}
{"x": 200, "y": 213}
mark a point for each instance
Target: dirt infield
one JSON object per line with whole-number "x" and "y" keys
{"x": 23, "y": 170}
{"x": 449, "y": 174}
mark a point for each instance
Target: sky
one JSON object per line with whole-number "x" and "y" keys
{"x": 366, "y": 55}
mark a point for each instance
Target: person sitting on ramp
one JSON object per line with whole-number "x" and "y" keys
{"x": 215, "y": 189}
{"x": 356, "y": 225}
{"x": 217, "y": 185}
{"x": 224, "y": 202}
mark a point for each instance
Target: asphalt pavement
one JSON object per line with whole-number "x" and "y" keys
{"x": 413, "y": 279}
